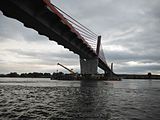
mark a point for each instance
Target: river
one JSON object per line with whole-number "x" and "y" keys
{"x": 45, "y": 99}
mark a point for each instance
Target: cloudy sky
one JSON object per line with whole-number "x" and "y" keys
{"x": 130, "y": 31}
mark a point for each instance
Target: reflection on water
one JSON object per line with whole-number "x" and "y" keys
{"x": 25, "y": 99}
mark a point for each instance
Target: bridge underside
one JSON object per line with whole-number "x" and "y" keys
{"x": 34, "y": 14}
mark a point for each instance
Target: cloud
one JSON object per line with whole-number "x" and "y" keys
{"x": 32, "y": 56}
{"x": 130, "y": 34}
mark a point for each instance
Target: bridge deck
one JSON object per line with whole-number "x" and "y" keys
{"x": 35, "y": 14}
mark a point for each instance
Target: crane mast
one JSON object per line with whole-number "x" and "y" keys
{"x": 71, "y": 71}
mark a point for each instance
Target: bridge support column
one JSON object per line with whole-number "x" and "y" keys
{"x": 89, "y": 66}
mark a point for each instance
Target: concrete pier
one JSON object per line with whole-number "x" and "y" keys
{"x": 89, "y": 66}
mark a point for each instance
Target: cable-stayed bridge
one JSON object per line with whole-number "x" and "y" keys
{"x": 58, "y": 26}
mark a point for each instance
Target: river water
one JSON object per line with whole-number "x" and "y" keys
{"x": 45, "y": 99}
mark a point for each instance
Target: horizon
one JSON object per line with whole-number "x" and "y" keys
{"x": 69, "y": 73}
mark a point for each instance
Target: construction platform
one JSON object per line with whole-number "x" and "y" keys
{"x": 98, "y": 77}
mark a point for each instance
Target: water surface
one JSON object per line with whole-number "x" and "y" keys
{"x": 37, "y": 99}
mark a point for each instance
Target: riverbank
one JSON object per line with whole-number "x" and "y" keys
{"x": 138, "y": 76}
{"x": 62, "y": 76}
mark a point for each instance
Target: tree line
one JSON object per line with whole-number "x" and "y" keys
{"x": 27, "y": 75}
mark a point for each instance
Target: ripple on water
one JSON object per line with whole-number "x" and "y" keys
{"x": 90, "y": 101}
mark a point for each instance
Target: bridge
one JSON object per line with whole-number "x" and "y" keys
{"x": 49, "y": 20}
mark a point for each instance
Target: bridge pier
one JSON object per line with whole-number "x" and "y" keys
{"x": 89, "y": 66}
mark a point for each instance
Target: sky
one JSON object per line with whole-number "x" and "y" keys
{"x": 130, "y": 31}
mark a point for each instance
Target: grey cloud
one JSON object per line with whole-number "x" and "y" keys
{"x": 138, "y": 69}
{"x": 49, "y": 57}
{"x": 124, "y": 56}
{"x": 132, "y": 24}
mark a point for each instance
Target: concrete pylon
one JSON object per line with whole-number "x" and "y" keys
{"x": 90, "y": 66}
{"x": 112, "y": 67}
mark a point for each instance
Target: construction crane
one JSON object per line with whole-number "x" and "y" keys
{"x": 70, "y": 70}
